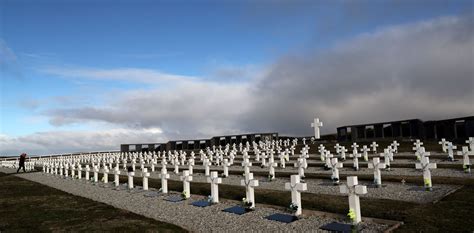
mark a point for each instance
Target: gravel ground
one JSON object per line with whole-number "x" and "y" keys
{"x": 444, "y": 172}
{"x": 394, "y": 191}
{"x": 196, "y": 219}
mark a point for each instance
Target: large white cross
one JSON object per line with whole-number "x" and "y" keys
{"x": 164, "y": 179}
{"x": 377, "y": 165}
{"x": 465, "y": 158}
{"x": 425, "y": 165}
{"x": 335, "y": 165}
{"x": 250, "y": 183}
{"x": 353, "y": 189}
{"x": 443, "y": 144}
{"x": 145, "y": 174}
{"x": 215, "y": 181}
{"x": 316, "y": 124}
{"x": 422, "y": 153}
{"x": 186, "y": 178}
{"x": 374, "y": 146}
{"x": 296, "y": 187}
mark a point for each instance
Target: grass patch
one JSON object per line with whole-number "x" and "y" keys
{"x": 29, "y": 206}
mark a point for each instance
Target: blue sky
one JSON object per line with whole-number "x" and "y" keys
{"x": 65, "y": 57}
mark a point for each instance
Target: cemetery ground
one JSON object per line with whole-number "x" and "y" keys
{"x": 402, "y": 198}
{"x": 27, "y": 206}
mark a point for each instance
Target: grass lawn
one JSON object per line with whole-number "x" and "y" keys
{"x": 29, "y": 206}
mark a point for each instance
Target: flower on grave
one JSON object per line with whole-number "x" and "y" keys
{"x": 293, "y": 207}
{"x": 261, "y": 166}
{"x": 466, "y": 167}
{"x": 209, "y": 198}
{"x": 351, "y": 214}
{"x": 246, "y": 203}
{"x": 270, "y": 177}
{"x": 184, "y": 195}
{"x": 243, "y": 174}
{"x": 387, "y": 166}
{"x": 335, "y": 179}
{"x": 427, "y": 183}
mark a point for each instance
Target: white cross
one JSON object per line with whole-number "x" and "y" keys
{"x": 421, "y": 153}
{"x": 301, "y": 165}
{"x": 272, "y": 165}
{"x": 246, "y": 164}
{"x": 73, "y": 170}
{"x": 377, "y": 165}
{"x": 296, "y": 187}
{"x": 354, "y": 148}
{"x": 343, "y": 153}
{"x": 226, "y": 165}
{"x": 450, "y": 147}
{"x": 145, "y": 175}
{"x": 61, "y": 169}
{"x": 186, "y": 178}
{"x": 322, "y": 150}
{"x": 374, "y": 146}
{"x": 249, "y": 184}
{"x": 395, "y": 145}
{"x": 164, "y": 179}
{"x": 176, "y": 165}
{"x": 443, "y": 144}
{"x": 66, "y": 170}
{"x": 105, "y": 177}
{"x": 130, "y": 179}
{"x": 365, "y": 153}
{"x": 417, "y": 145}
{"x": 425, "y": 165}
{"x": 282, "y": 159}
{"x": 471, "y": 143}
{"x": 117, "y": 176}
{"x": 335, "y": 165}
{"x": 316, "y": 124}
{"x": 79, "y": 171}
{"x": 190, "y": 165}
{"x": 465, "y": 158}
{"x": 386, "y": 156}
{"x": 353, "y": 189}
{"x": 215, "y": 181}
{"x": 206, "y": 164}
{"x": 87, "y": 172}
{"x": 356, "y": 157}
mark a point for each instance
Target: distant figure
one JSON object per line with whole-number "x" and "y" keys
{"x": 22, "y": 163}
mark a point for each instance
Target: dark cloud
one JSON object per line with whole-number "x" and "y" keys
{"x": 422, "y": 70}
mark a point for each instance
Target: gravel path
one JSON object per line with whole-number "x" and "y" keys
{"x": 196, "y": 219}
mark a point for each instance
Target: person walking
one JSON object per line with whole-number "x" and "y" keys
{"x": 22, "y": 162}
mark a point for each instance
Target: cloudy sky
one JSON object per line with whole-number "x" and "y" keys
{"x": 87, "y": 75}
